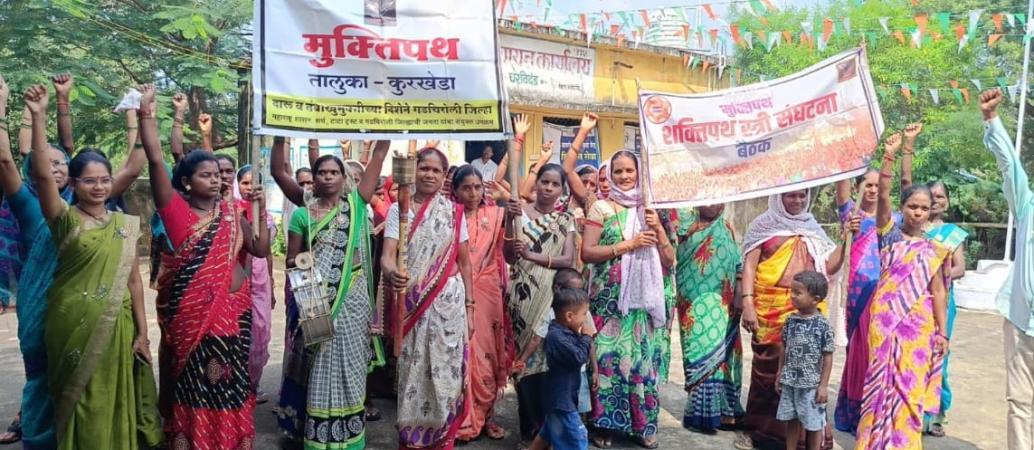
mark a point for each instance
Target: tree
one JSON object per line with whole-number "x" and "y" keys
{"x": 194, "y": 47}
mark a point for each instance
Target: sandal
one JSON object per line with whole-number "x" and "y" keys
{"x": 743, "y": 442}
{"x": 523, "y": 445}
{"x": 602, "y": 441}
{"x": 494, "y": 431}
{"x": 14, "y": 431}
{"x": 647, "y": 442}
{"x": 372, "y": 413}
{"x": 936, "y": 430}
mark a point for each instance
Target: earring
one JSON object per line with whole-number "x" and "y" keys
{"x": 188, "y": 188}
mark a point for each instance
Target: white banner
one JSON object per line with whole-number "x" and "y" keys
{"x": 807, "y": 129}
{"x": 377, "y": 69}
{"x": 535, "y": 71}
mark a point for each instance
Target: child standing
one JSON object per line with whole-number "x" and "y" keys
{"x": 567, "y": 350}
{"x": 805, "y": 362}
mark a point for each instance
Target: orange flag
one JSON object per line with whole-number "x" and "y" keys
{"x": 992, "y": 39}
{"x": 646, "y": 17}
{"x": 709, "y": 11}
{"x": 954, "y": 84}
{"x": 965, "y": 94}
{"x": 915, "y": 2}
{"x": 584, "y": 23}
{"x": 502, "y": 6}
{"x": 763, "y": 20}
{"x": 997, "y": 18}
{"x": 714, "y": 35}
{"x": 685, "y": 31}
{"x": 621, "y": 40}
{"x": 734, "y": 29}
{"x": 921, "y": 21}
{"x": 762, "y": 35}
{"x": 685, "y": 59}
{"x": 703, "y": 69}
{"x": 900, "y": 37}
{"x": 614, "y": 29}
{"x": 906, "y": 92}
{"x": 827, "y": 29}
{"x": 937, "y": 36}
{"x": 769, "y": 5}
{"x": 960, "y": 31}
{"x": 787, "y": 36}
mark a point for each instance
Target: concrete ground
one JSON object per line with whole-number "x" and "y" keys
{"x": 977, "y": 369}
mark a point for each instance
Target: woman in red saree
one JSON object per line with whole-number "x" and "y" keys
{"x": 491, "y": 345}
{"x": 204, "y": 307}
{"x": 433, "y": 363}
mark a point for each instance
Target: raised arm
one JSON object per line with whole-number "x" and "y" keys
{"x": 283, "y": 177}
{"x": 314, "y": 153}
{"x": 1015, "y": 184}
{"x": 528, "y": 183}
{"x": 257, "y": 244}
{"x": 10, "y": 179}
{"x": 204, "y": 122}
{"x": 578, "y": 189}
{"x": 130, "y": 170}
{"x": 372, "y": 174}
{"x": 885, "y": 207}
{"x": 364, "y": 157}
{"x": 161, "y": 186}
{"x": 844, "y": 192}
{"x": 911, "y": 133}
{"x": 63, "y": 87}
{"x": 42, "y": 170}
{"x": 179, "y": 106}
{"x": 25, "y": 132}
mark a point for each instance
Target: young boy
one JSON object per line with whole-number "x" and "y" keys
{"x": 567, "y": 350}
{"x": 805, "y": 362}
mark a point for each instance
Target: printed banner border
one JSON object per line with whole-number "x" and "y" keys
{"x": 258, "y": 111}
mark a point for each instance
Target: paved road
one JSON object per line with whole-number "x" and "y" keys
{"x": 977, "y": 368}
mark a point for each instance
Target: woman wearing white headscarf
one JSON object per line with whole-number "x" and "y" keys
{"x": 631, "y": 298}
{"x": 780, "y": 243}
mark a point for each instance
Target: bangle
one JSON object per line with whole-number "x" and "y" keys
{"x": 519, "y": 139}
{"x": 130, "y": 128}
{"x": 886, "y": 175}
{"x": 614, "y": 251}
{"x": 549, "y": 262}
{"x": 747, "y": 295}
{"x": 470, "y": 302}
{"x": 3, "y": 126}
{"x": 26, "y": 126}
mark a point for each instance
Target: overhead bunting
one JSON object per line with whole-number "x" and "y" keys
{"x": 997, "y": 19}
{"x": 827, "y": 29}
{"x": 884, "y": 23}
{"x": 900, "y": 37}
{"x": 710, "y": 11}
{"x": 974, "y": 21}
{"x": 992, "y": 39}
{"x": 921, "y": 21}
{"x": 748, "y": 37}
{"x": 773, "y": 40}
{"x": 734, "y": 29}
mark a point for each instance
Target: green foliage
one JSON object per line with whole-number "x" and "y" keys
{"x": 951, "y": 147}
{"x": 194, "y": 46}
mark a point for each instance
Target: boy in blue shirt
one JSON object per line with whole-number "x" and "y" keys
{"x": 567, "y": 350}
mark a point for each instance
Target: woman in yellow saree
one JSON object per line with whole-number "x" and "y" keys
{"x": 780, "y": 243}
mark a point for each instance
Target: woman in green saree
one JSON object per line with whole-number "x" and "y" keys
{"x": 325, "y": 384}
{"x": 96, "y": 332}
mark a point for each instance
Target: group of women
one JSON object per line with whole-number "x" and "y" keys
{"x": 476, "y": 290}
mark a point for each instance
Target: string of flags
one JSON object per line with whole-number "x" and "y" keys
{"x": 653, "y": 25}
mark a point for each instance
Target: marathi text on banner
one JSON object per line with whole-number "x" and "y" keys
{"x": 811, "y": 128}
{"x": 536, "y": 71}
{"x": 405, "y": 68}
{"x": 562, "y": 138}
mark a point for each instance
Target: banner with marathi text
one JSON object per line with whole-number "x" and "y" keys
{"x": 811, "y": 128}
{"x": 378, "y": 68}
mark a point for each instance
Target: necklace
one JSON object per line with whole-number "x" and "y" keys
{"x": 536, "y": 208}
{"x": 99, "y": 219}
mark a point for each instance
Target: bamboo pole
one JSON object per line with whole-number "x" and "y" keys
{"x": 404, "y": 173}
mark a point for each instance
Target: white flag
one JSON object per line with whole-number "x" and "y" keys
{"x": 935, "y": 96}
{"x": 847, "y": 25}
{"x": 977, "y": 84}
{"x": 883, "y": 23}
{"x": 773, "y": 40}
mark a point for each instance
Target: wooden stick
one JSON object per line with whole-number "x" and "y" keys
{"x": 405, "y": 177}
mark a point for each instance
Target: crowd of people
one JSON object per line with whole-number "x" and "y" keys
{"x": 567, "y": 287}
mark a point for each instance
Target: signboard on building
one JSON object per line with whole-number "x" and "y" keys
{"x": 535, "y": 71}
{"x": 811, "y": 128}
{"x": 563, "y": 136}
{"x": 412, "y": 68}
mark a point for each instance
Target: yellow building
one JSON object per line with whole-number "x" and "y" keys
{"x": 554, "y": 76}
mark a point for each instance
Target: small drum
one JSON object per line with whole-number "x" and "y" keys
{"x": 313, "y": 300}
